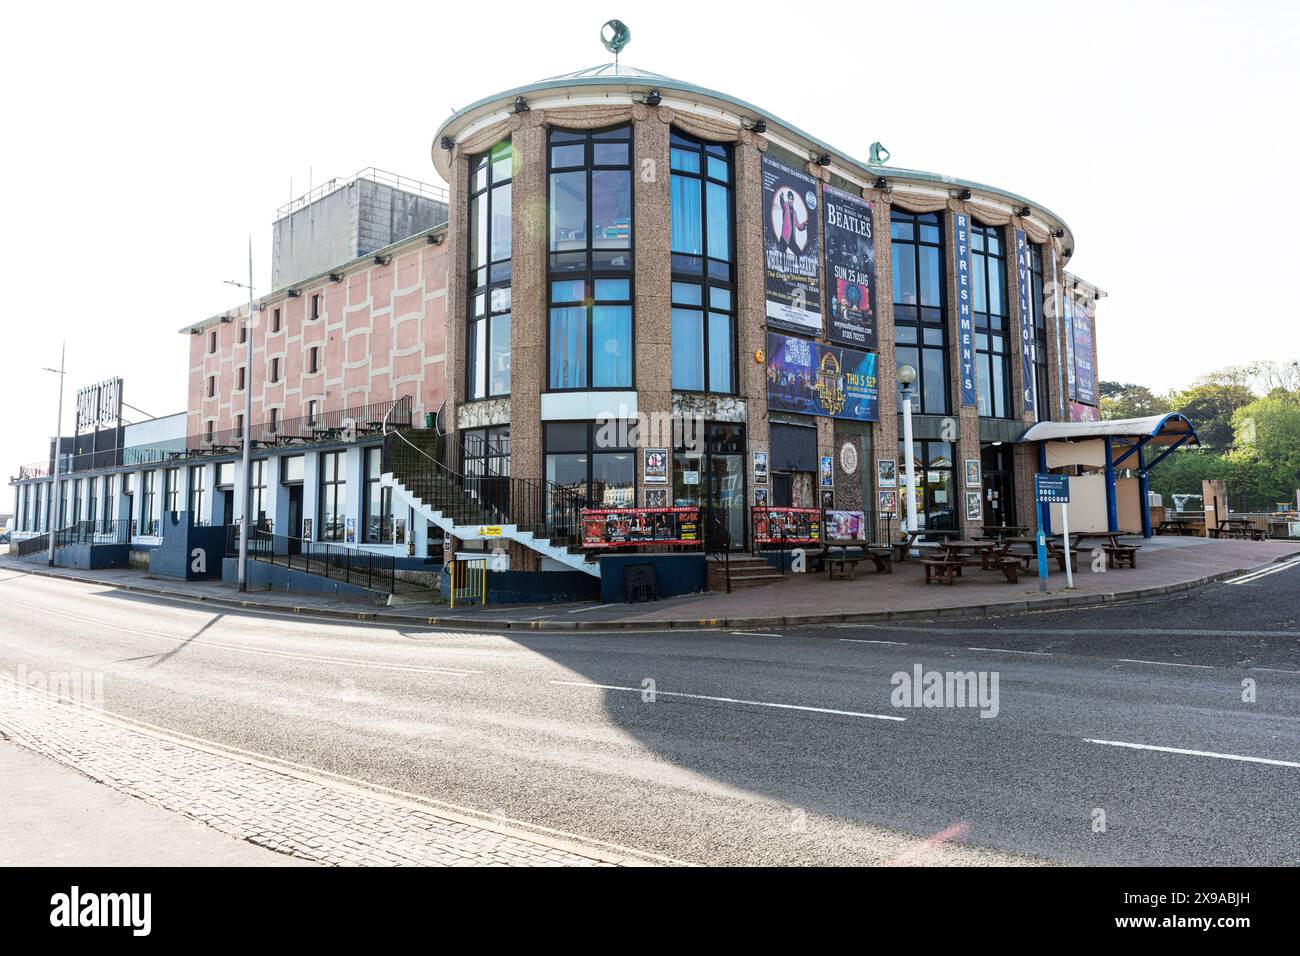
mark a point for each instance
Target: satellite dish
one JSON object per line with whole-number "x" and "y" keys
{"x": 615, "y": 35}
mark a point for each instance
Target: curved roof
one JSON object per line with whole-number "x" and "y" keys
{"x": 1158, "y": 429}
{"x": 618, "y": 81}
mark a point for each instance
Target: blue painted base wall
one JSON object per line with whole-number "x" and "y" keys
{"x": 175, "y": 557}
{"x": 534, "y": 587}
{"x": 674, "y": 574}
{"x": 270, "y": 577}
{"x": 92, "y": 558}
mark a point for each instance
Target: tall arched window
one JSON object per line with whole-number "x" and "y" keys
{"x": 992, "y": 320}
{"x": 920, "y": 333}
{"x": 703, "y": 266}
{"x": 488, "y": 341}
{"x": 590, "y": 259}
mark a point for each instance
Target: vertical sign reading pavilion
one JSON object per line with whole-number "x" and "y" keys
{"x": 791, "y": 248}
{"x": 850, "y": 269}
{"x": 965, "y": 319}
{"x": 1026, "y": 324}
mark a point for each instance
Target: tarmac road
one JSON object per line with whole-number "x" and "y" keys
{"x": 755, "y": 747}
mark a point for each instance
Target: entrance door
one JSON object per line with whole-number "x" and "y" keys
{"x": 294, "y": 530}
{"x": 781, "y": 497}
{"x": 228, "y": 506}
{"x": 999, "y": 485}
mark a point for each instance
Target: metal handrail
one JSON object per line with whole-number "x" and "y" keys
{"x": 536, "y": 505}
{"x": 323, "y": 427}
{"x": 367, "y": 569}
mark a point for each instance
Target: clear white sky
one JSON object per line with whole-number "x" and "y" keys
{"x": 146, "y": 141}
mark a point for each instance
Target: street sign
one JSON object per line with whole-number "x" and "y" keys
{"x": 1052, "y": 489}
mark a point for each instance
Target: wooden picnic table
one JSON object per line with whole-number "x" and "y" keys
{"x": 901, "y": 548}
{"x": 1118, "y": 553}
{"x": 952, "y": 556}
{"x": 1004, "y": 530}
{"x": 1238, "y": 528}
{"x": 844, "y": 565}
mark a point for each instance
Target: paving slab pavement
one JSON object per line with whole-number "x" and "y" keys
{"x": 55, "y": 816}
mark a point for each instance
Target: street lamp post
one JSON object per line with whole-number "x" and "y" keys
{"x": 906, "y": 376}
{"x": 246, "y": 480}
{"x": 57, "y": 498}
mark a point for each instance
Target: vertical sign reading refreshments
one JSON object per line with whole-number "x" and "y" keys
{"x": 791, "y": 248}
{"x": 850, "y": 269}
{"x": 1026, "y": 322}
{"x": 965, "y": 319}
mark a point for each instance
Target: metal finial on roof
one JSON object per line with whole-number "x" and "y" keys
{"x": 615, "y": 35}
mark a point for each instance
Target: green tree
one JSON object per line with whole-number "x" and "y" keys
{"x": 1211, "y": 401}
{"x": 1126, "y": 400}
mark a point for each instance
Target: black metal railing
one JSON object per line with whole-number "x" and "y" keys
{"x": 92, "y": 532}
{"x": 38, "y": 544}
{"x": 341, "y": 424}
{"x": 716, "y": 531}
{"x": 325, "y": 559}
{"x": 487, "y": 496}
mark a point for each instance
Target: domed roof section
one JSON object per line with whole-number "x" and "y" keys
{"x": 609, "y": 70}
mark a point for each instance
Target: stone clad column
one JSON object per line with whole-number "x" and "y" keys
{"x": 653, "y": 324}
{"x": 751, "y": 304}
{"x": 885, "y": 432}
{"x": 528, "y": 296}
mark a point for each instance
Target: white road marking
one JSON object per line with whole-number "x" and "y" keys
{"x": 1007, "y": 650}
{"x": 1274, "y": 670}
{"x": 1264, "y": 572}
{"x": 1193, "y": 753}
{"x": 1129, "y": 660}
{"x": 860, "y": 640}
{"x": 583, "y": 610}
{"x": 728, "y": 700}
{"x": 754, "y": 634}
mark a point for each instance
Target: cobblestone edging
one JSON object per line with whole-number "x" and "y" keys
{"x": 332, "y": 825}
{"x": 722, "y": 623}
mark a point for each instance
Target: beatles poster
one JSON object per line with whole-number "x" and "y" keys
{"x": 1026, "y": 321}
{"x": 810, "y": 378}
{"x": 1084, "y": 373}
{"x": 791, "y": 247}
{"x": 850, "y": 269}
{"x": 965, "y": 318}
{"x": 627, "y": 527}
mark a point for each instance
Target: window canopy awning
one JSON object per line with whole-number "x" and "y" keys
{"x": 1170, "y": 429}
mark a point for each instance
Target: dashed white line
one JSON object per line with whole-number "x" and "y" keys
{"x": 1193, "y": 753}
{"x": 862, "y": 640}
{"x": 754, "y": 634}
{"x": 1274, "y": 670}
{"x": 728, "y": 700}
{"x": 1008, "y": 650}
{"x": 1130, "y": 660}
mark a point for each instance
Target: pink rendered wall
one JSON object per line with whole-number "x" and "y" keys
{"x": 381, "y": 334}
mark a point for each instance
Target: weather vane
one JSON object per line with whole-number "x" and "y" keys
{"x": 615, "y": 35}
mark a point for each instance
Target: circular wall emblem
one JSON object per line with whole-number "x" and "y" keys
{"x": 849, "y": 458}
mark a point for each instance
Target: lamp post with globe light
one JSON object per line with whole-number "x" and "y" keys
{"x": 906, "y": 376}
